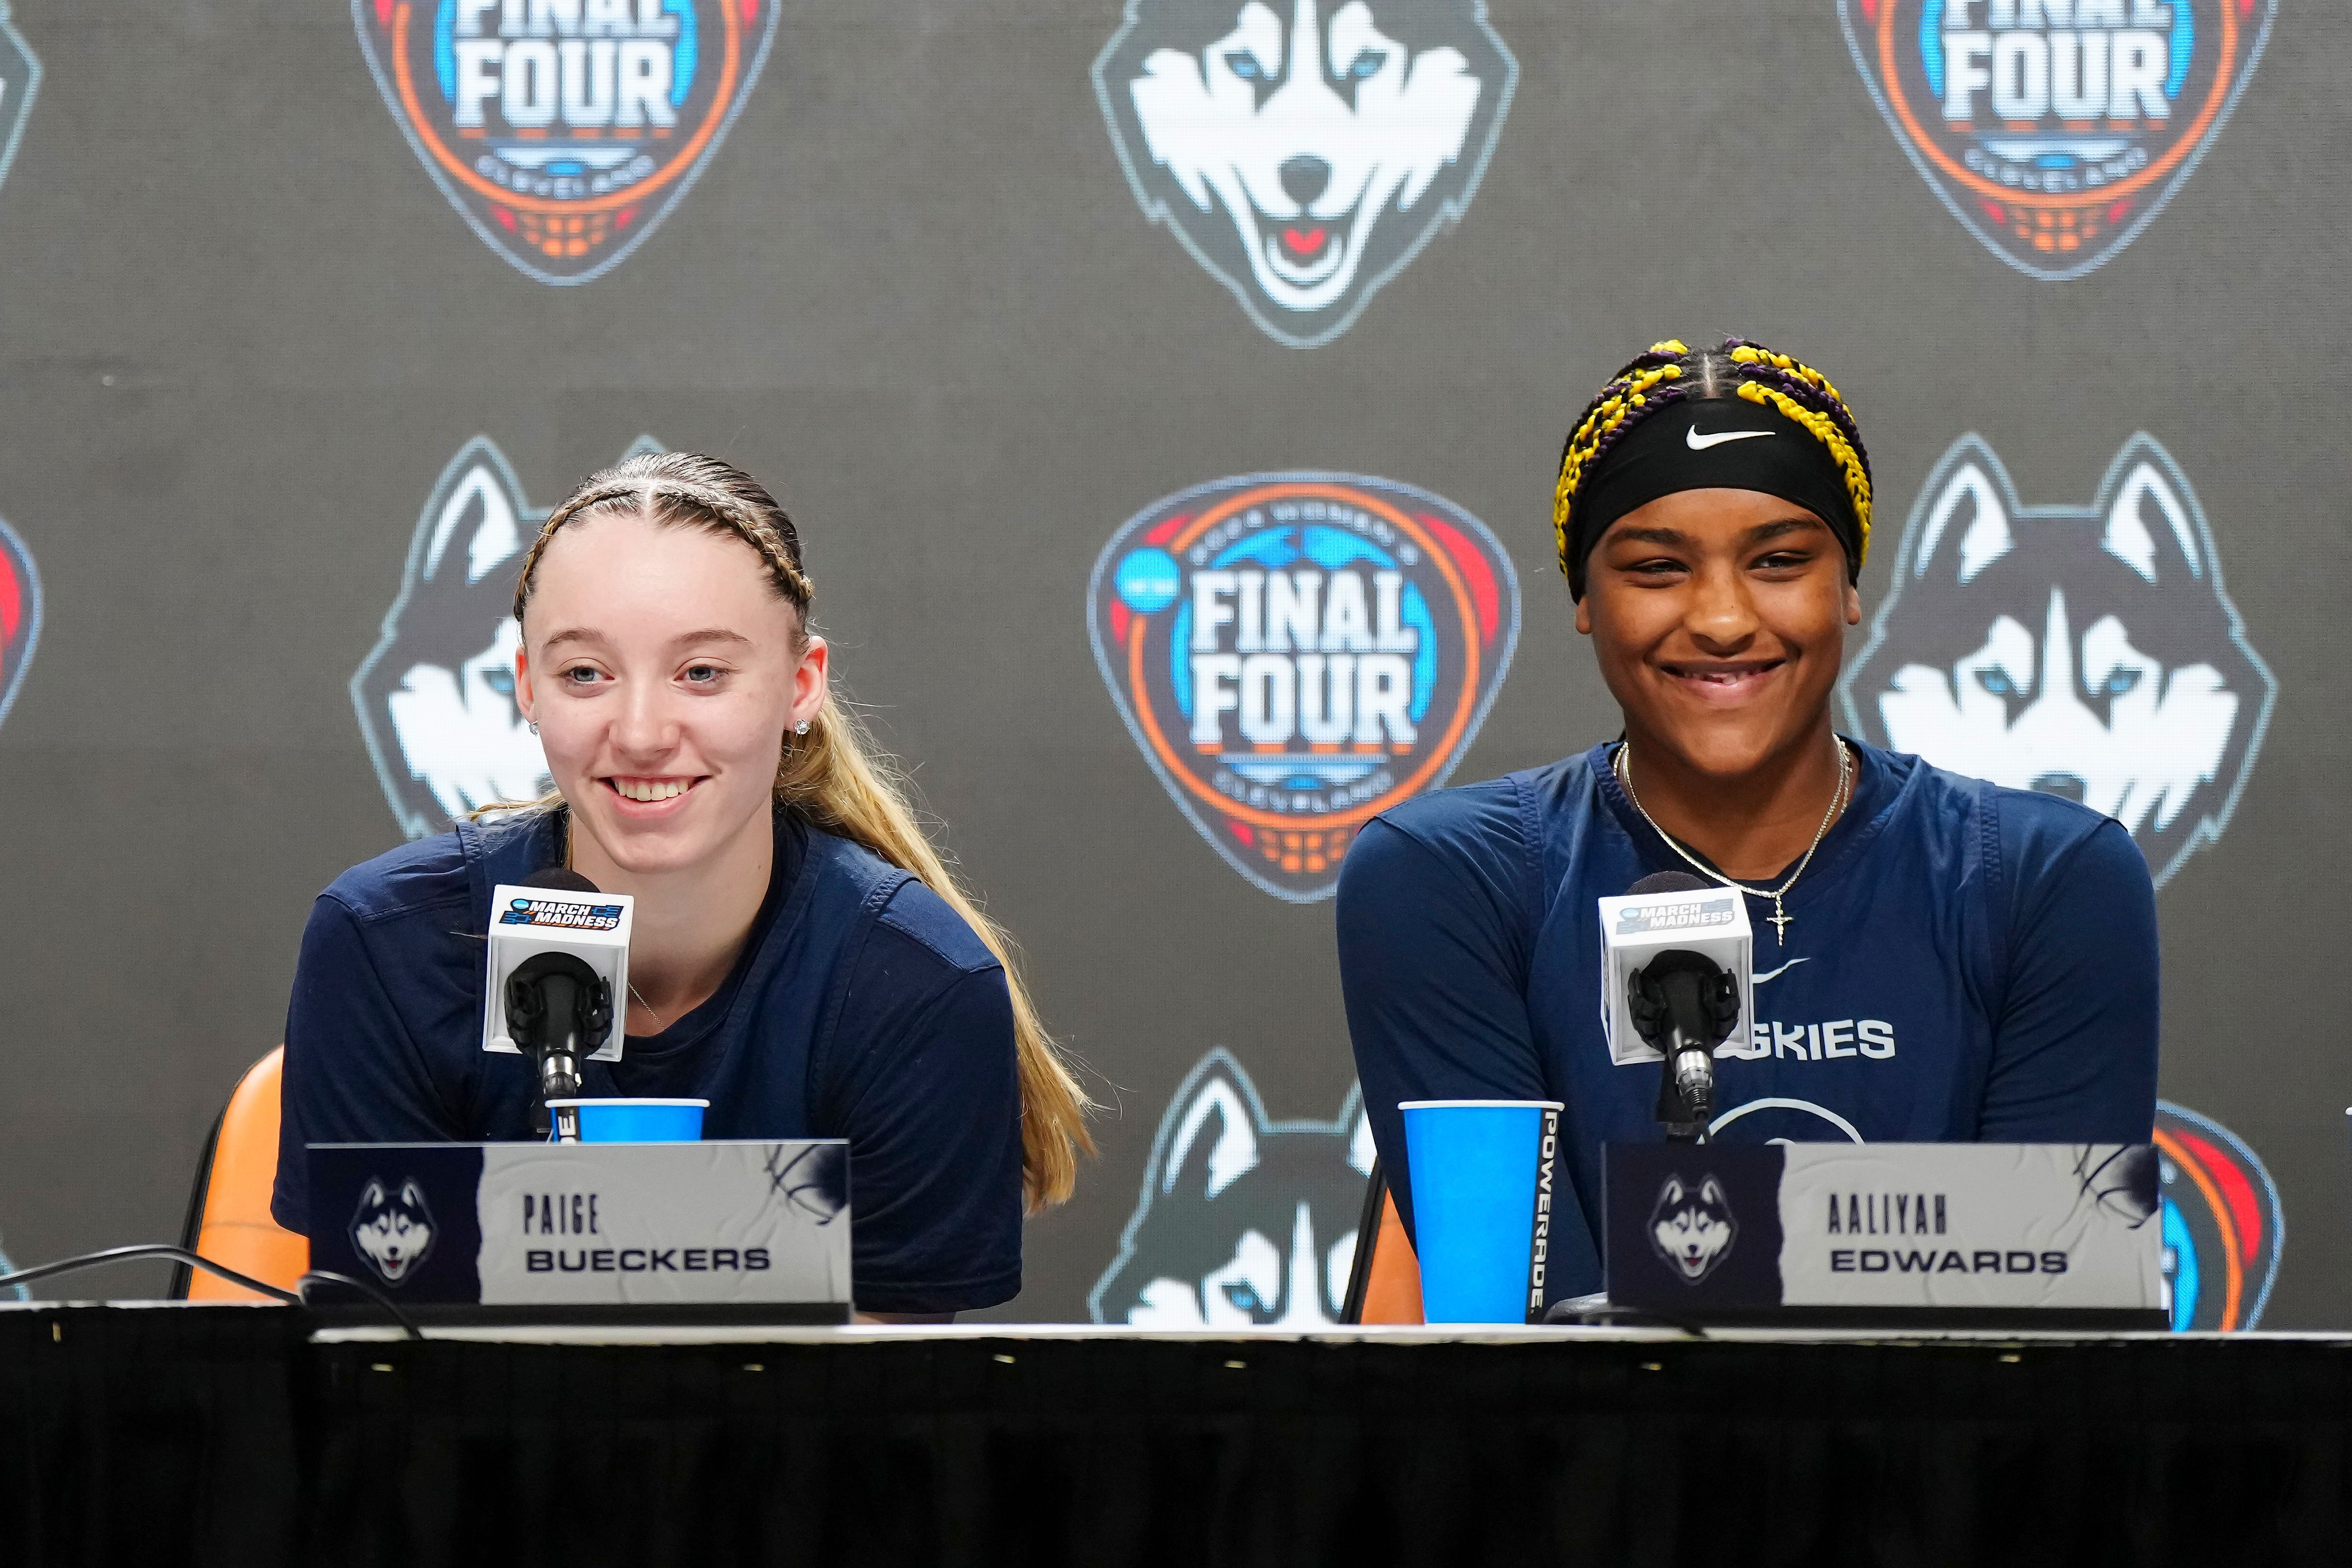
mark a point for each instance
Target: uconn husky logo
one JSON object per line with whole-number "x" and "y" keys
{"x": 1303, "y": 151}
{"x": 1691, "y": 1230}
{"x": 436, "y": 696}
{"x": 2089, "y": 651}
{"x": 1244, "y": 1220}
{"x": 393, "y": 1230}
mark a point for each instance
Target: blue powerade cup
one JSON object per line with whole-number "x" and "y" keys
{"x": 1482, "y": 1203}
{"x": 638, "y": 1121}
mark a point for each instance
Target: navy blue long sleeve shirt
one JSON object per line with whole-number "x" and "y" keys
{"x": 1965, "y": 963}
{"x": 861, "y": 1007}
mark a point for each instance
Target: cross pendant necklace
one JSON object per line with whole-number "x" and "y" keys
{"x": 1779, "y": 917}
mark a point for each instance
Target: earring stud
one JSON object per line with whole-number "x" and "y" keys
{"x": 801, "y": 728}
{"x": 534, "y": 726}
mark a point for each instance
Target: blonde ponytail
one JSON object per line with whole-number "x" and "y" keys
{"x": 836, "y": 778}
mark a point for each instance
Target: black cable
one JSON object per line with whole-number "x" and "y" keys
{"x": 329, "y": 1276}
{"x": 125, "y": 1254}
{"x": 1607, "y": 1315}
{"x": 298, "y": 1296}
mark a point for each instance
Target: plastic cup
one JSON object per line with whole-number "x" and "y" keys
{"x": 1475, "y": 1166}
{"x": 638, "y": 1121}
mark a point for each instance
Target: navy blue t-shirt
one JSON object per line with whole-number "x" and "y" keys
{"x": 1964, "y": 963}
{"x": 861, "y": 1007}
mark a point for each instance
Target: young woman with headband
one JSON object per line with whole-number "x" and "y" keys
{"x": 1936, "y": 959}
{"x": 799, "y": 956}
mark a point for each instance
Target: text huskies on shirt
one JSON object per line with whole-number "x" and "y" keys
{"x": 1305, "y": 150}
{"x": 436, "y": 696}
{"x": 2090, "y": 651}
{"x": 1296, "y": 653}
{"x": 565, "y": 131}
{"x": 2056, "y": 130}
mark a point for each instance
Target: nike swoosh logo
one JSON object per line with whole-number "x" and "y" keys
{"x": 1698, "y": 443}
{"x": 1775, "y": 973}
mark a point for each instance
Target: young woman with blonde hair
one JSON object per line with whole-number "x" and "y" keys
{"x": 800, "y": 957}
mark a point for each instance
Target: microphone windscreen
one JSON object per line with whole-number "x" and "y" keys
{"x": 565, "y": 879}
{"x": 1669, "y": 882}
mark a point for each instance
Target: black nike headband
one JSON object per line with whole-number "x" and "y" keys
{"x": 1703, "y": 444}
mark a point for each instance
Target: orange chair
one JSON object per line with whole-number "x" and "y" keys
{"x": 1384, "y": 1284}
{"x": 228, "y": 1211}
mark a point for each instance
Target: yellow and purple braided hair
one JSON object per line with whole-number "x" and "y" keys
{"x": 1671, "y": 372}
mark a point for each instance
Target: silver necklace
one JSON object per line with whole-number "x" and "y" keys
{"x": 1781, "y": 919}
{"x": 659, "y": 1022}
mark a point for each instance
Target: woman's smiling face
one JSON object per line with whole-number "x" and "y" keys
{"x": 663, "y": 670}
{"x": 1719, "y": 617}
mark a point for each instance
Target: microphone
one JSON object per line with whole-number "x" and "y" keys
{"x": 557, "y": 1009}
{"x": 1676, "y": 958}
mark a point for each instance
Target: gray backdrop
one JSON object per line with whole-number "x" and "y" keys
{"x": 915, "y": 291}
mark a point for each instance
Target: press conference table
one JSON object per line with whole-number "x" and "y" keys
{"x": 253, "y": 1436}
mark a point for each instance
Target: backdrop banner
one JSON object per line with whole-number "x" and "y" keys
{"x": 1169, "y": 394}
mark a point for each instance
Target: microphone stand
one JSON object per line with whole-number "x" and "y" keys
{"x": 558, "y": 1010}
{"x": 1684, "y": 1006}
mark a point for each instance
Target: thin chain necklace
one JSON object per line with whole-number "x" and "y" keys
{"x": 659, "y": 1022}
{"x": 1781, "y": 919}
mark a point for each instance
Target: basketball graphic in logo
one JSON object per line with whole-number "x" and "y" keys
{"x": 2056, "y": 130}
{"x": 1296, "y": 653}
{"x": 565, "y": 131}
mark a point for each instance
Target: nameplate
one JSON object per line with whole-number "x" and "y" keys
{"x": 1892, "y": 1233}
{"x": 569, "y": 1230}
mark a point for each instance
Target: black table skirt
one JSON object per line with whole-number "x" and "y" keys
{"x": 229, "y": 1436}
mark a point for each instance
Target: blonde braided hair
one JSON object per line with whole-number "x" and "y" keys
{"x": 835, "y": 776}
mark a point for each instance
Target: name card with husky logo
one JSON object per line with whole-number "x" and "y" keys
{"x": 2088, "y": 651}
{"x": 2056, "y": 130}
{"x": 569, "y": 1229}
{"x": 564, "y": 131}
{"x": 1297, "y": 653}
{"x": 1887, "y": 1233}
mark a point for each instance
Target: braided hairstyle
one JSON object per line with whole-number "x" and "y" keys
{"x": 1671, "y": 372}
{"x": 833, "y": 776}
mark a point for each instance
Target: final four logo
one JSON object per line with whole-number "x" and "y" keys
{"x": 565, "y": 131}
{"x": 2056, "y": 130}
{"x": 20, "y": 615}
{"x": 2224, "y": 1227}
{"x": 1296, "y": 653}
